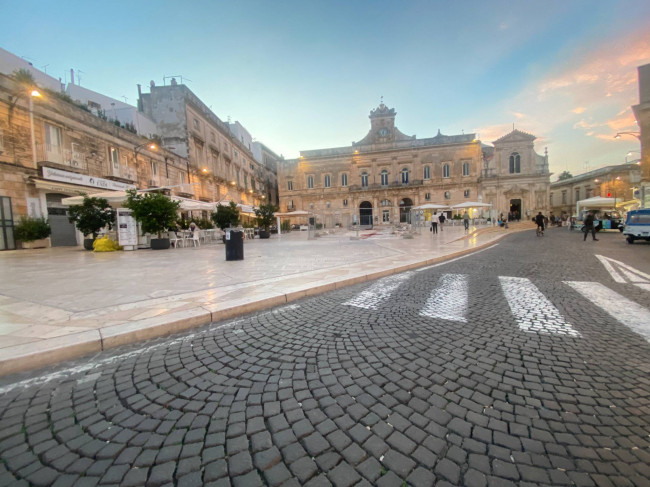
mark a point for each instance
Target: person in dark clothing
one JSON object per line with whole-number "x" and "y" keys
{"x": 539, "y": 220}
{"x": 442, "y": 219}
{"x": 589, "y": 227}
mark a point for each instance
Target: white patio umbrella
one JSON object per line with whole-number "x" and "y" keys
{"x": 431, "y": 206}
{"x": 470, "y": 204}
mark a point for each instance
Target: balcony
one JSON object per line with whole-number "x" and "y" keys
{"x": 68, "y": 158}
{"x": 122, "y": 174}
{"x": 394, "y": 185}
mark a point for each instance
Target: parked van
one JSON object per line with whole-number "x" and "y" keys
{"x": 606, "y": 216}
{"x": 637, "y": 225}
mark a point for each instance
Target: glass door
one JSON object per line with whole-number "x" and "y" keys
{"x": 6, "y": 225}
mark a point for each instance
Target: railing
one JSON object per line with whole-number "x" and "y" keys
{"x": 57, "y": 155}
{"x": 395, "y": 184}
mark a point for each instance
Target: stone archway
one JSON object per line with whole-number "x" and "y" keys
{"x": 405, "y": 206}
{"x": 365, "y": 213}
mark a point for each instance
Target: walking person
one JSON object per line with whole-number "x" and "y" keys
{"x": 442, "y": 219}
{"x": 466, "y": 220}
{"x": 589, "y": 227}
{"x": 539, "y": 220}
{"x": 434, "y": 223}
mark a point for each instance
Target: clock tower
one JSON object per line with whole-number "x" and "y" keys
{"x": 382, "y": 123}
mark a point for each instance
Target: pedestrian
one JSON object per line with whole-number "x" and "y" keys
{"x": 442, "y": 219}
{"x": 589, "y": 227}
{"x": 466, "y": 220}
{"x": 434, "y": 223}
{"x": 540, "y": 221}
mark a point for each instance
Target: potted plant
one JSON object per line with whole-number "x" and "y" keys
{"x": 265, "y": 218}
{"x": 156, "y": 214}
{"x": 226, "y": 216}
{"x": 33, "y": 233}
{"x": 90, "y": 217}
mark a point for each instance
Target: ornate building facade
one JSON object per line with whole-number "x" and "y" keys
{"x": 378, "y": 180}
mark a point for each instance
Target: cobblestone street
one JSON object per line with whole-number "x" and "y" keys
{"x": 489, "y": 370}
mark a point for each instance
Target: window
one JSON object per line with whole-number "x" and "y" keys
{"x": 344, "y": 179}
{"x": 311, "y": 206}
{"x": 364, "y": 179}
{"x": 447, "y": 195}
{"x": 154, "y": 169}
{"x": 405, "y": 176}
{"x": 52, "y": 138}
{"x": 290, "y": 205}
{"x": 328, "y": 181}
{"x": 181, "y": 178}
{"x": 197, "y": 126}
{"x": 427, "y": 196}
{"x": 515, "y": 163}
{"x": 466, "y": 169}
{"x": 577, "y": 194}
{"x": 385, "y": 203}
{"x": 384, "y": 178}
{"x": 588, "y": 192}
{"x": 385, "y": 216}
{"x": 445, "y": 171}
{"x": 564, "y": 197}
{"x": 427, "y": 172}
{"x": 310, "y": 182}
{"x": 113, "y": 157}
{"x": 290, "y": 185}
{"x": 345, "y": 202}
{"x": 466, "y": 193}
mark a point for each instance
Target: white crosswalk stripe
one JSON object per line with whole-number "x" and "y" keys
{"x": 618, "y": 307}
{"x": 378, "y": 292}
{"x": 532, "y": 310}
{"x": 623, "y": 273}
{"x": 449, "y": 300}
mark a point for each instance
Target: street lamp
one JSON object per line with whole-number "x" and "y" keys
{"x": 33, "y": 93}
{"x": 633, "y": 134}
{"x": 137, "y": 148}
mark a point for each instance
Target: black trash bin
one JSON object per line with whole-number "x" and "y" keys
{"x": 234, "y": 245}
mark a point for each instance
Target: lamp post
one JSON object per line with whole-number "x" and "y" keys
{"x": 32, "y": 93}
{"x": 137, "y": 148}
{"x": 630, "y": 153}
{"x": 633, "y": 134}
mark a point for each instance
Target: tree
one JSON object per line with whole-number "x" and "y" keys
{"x": 226, "y": 216}
{"x": 564, "y": 175}
{"x": 24, "y": 77}
{"x": 264, "y": 215}
{"x": 92, "y": 215}
{"x": 155, "y": 211}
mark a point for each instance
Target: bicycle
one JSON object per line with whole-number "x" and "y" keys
{"x": 540, "y": 231}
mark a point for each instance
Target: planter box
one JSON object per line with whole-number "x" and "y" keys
{"x": 43, "y": 243}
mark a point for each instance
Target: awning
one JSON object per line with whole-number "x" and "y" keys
{"x": 471, "y": 204}
{"x": 430, "y": 206}
{"x": 64, "y": 187}
{"x": 293, "y": 213}
{"x": 117, "y": 198}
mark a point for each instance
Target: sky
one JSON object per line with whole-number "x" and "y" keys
{"x": 302, "y": 75}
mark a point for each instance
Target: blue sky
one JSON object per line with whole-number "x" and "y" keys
{"x": 305, "y": 74}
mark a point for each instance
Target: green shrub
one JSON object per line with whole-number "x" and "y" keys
{"x": 155, "y": 211}
{"x": 29, "y": 229}
{"x": 92, "y": 215}
{"x": 285, "y": 226}
{"x": 226, "y": 216}
{"x": 264, "y": 215}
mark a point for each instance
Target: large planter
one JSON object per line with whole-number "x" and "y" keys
{"x": 264, "y": 234}
{"x": 88, "y": 243}
{"x": 159, "y": 243}
{"x": 43, "y": 243}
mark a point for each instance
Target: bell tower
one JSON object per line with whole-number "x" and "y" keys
{"x": 382, "y": 122}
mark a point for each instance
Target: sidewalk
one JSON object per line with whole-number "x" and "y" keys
{"x": 61, "y": 303}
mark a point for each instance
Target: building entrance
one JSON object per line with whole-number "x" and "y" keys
{"x": 64, "y": 233}
{"x": 405, "y": 210}
{"x": 6, "y": 224}
{"x": 515, "y": 209}
{"x": 365, "y": 213}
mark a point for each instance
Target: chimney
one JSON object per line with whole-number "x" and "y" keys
{"x": 71, "y": 76}
{"x": 139, "y": 97}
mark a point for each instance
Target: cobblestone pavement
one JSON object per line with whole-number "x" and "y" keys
{"x": 439, "y": 376}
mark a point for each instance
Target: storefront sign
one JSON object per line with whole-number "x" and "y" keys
{"x": 83, "y": 180}
{"x": 127, "y": 229}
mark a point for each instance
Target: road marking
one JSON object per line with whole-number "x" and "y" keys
{"x": 457, "y": 258}
{"x": 449, "y": 300}
{"x": 378, "y": 292}
{"x": 620, "y": 308}
{"x": 633, "y": 275}
{"x": 532, "y": 310}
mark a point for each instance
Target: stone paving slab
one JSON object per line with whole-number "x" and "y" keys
{"x": 66, "y": 302}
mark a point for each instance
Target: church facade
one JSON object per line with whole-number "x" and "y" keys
{"x": 378, "y": 180}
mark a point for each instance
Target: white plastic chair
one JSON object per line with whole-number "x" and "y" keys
{"x": 195, "y": 238}
{"x": 174, "y": 240}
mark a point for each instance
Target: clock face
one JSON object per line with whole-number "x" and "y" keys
{"x": 383, "y": 132}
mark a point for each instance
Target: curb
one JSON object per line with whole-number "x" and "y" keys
{"x": 36, "y": 355}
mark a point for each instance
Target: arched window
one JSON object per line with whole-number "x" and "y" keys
{"x": 427, "y": 172}
{"x": 364, "y": 179}
{"x": 310, "y": 182}
{"x": 405, "y": 175}
{"x": 384, "y": 178}
{"x": 327, "y": 181}
{"x": 515, "y": 163}
{"x": 445, "y": 171}
{"x": 466, "y": 169}
{"x": 344, "y": 179}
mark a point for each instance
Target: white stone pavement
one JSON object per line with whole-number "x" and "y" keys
{"x": 65, "y": 302}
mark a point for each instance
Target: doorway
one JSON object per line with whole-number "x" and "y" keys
{"x": 365, "y": 213}
{"x": 515, "y": 209}
{"x": 6, "y": 225}
{"x": 405, "y": 210}
{"x": 64, "y": 233}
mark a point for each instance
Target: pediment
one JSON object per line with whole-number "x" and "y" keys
{"x": 515, "y": 136}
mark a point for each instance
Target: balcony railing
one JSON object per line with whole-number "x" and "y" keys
{"x": 394, "y": 185}
{"x": 58, "y": 155}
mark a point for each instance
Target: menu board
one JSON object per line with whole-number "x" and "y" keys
{"x": 127, "y": 228}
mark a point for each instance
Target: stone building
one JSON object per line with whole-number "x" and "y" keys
{"x": 617, "y": 181}
{"x": 377, "y": 180}
{"x": 190, "y": 129}
{"x": 642, "y": 115}
{"x": 52, "y": 148}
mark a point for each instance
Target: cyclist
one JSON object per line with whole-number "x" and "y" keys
{"x": 539, "y": 220}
